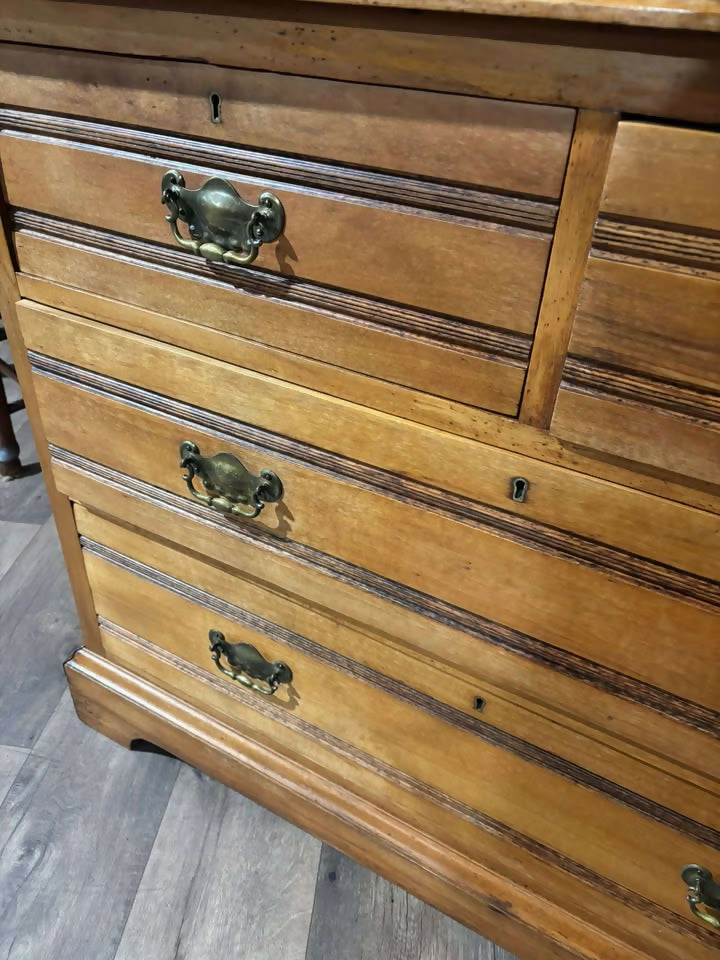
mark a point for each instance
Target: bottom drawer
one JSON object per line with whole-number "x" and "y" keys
{"x": 383, "y": 735}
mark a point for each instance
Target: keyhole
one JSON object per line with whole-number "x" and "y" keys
{"x": 215, "y": 107}
{"x": 478, "y": 704}
{"x": 519, "y": 487}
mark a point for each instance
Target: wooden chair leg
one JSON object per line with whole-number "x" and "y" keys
{"x": 10, "y": 466}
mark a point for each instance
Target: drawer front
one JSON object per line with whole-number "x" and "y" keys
{"x": 340, "y": 701}
{"x": 440, "y": 662}
{"x": 642, "y": 381}
{"x": 503, "y": 145}
{"x": 525, "y": 575}
{"x": 445, "y": 264}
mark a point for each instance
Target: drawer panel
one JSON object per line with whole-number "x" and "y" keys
{"x": 452, "y": 667}
{"x": 484, "y": 272}
{"x": 404, "y": 362}
{"x": 670, "y": 533}
{"x": 345, "y": 703}
{"x": 525, "y": 580}
{"x": 642, "y": 380}
{"x": 515, "y": 147}
{"x": 666, "y": 174}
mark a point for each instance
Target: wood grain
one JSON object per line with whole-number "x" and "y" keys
{"x": 369, "y": 360}
{"x": 358, "y": 916}
{"x": 516, "y": 147}
{"x": 61, "y": 508}
{"x": 665, "y": 174}
{"x": 439, "y": 686}
{"x": 595, "y": 509}
{"x": 684, "y": 446}
{"x": 503, "y": 58}
{"x": 396, "y": 254}
{"x": 11, "y": 761}
{"x": 576, "y": 923}
{"x": 14, "y": 537}
{"x": 589, "y": 156}
{"x": 650, "y": 321}
{"x": 511, "y": 669}
{"x": 532, "y": 600}
{"x": 691, "y": 14}
{"x": 223, "y": 894}
{"x": 33, "y": 642}
{"x": 590, "y": 828}
{"x": 50, "y": 864}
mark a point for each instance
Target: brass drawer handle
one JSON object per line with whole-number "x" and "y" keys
{"x": 227, "y": 482}
{"x": 221, "y": 224}
{"x": 246, "y": 664}
{"x": 702, "y": 890}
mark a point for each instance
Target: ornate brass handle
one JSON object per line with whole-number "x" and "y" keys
{"x": 702, "y": 890}
{"x": 247, "y": 664}
{"x": 221, "y": 224}
{"x": 227, "y": 482}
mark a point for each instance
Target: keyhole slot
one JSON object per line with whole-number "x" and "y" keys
{"x": 215, "y": 107}
{"x": 479, "y": 704}
{"x": 519, "y": 487}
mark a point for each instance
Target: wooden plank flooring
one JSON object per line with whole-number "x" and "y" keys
{"x": 108, "y": 854}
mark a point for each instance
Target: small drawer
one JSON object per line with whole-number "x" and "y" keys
{"x": 642, "y": 380}
{"x": 406, "y": 737}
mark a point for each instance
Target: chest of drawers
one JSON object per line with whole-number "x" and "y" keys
{"x": 386, "y": 471}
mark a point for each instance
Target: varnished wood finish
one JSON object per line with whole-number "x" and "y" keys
{"x": 62, "y": 509}
{"x": 642, "y": 382}
{"x": 665, "y": 174}
{"x": 500, "y": 266}
{"x": 138, "y": 440}
{"x": 665, "y": 75}
{"x": 592, "y": 143}
{"x": 508, "y": 146}
{"x": 578, "y": 695}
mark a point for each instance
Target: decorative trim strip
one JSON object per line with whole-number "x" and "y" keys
{"x": 642, "y": 243}
{"x": 697, "y": 406}
{"x": 486, "y": 342}
{"x": 367, "y": 182}
{"x": 482, "y": 821}
{"x": 337, "y": 661}
{"x": 563, "y": 544}
{"x": 603, "y": 678}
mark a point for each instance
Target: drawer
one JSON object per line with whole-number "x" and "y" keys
{"x": 441, "y": 263}
{"x": 642, "y": 381}
{"x": 517, "y": 700}
{"x": 474, "y": 559}
{"x": 506, "y": 146}
{"x": 406, "y": 738}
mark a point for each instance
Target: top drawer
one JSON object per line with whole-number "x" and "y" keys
{"x": 642, "y": 381}
{"x": 437, "y": 202}
{"x": 513, "y": 147}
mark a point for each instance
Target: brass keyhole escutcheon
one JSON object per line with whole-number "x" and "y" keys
{"x": 215, "y": 107}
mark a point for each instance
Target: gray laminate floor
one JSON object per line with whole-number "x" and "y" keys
{"x": 106, "y": 853}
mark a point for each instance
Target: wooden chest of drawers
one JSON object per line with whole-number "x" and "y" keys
{"x": 391, "y": 499}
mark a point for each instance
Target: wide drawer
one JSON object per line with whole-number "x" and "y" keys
{"x": 642, "y": 380}
{"x": 405, "y": 735}
{"x": 519, "y": 701}
{"x": 472, "y": 558}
